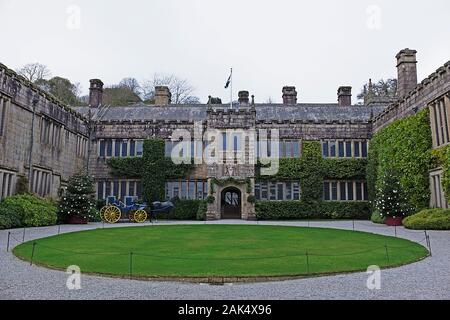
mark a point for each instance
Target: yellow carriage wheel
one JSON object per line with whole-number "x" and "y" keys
{"x": 140, "y": 216}
{"x": 112, "y": 214}
{"x": 102, "y": 212}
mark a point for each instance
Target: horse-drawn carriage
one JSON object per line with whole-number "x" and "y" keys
{"x": 116, "y": 210}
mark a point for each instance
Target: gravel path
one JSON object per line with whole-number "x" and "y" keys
{"x": 427, "y": 279}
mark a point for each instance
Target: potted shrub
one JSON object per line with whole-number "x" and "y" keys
{"x": 390, "y": 202}
{"x": 77, "y": 205}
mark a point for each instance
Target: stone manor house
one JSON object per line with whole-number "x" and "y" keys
{"x": 47, "y": 142}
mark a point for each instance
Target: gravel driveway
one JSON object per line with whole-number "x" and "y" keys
{"x": 427, "y": 279}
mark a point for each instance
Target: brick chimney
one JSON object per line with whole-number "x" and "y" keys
{"x": 407, "y": 71}
{"x": 95, "y": 93}
{"x": 163, "y": 96}
{"x": 243, "y": 97}
{"x": 289, "y": 95}
{"x": 345, "y": 96}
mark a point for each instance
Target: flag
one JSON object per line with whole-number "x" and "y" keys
{"x": 229, "y": 80}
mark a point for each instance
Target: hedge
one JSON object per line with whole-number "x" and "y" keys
{"x": 27, "y": 210}
{"x": 377, "y": 217}
{"x": 288, "y": 210}
{"x": 185, "y": 210}
{"x": 404, "y": 146}
{"x": 431, "y": 219}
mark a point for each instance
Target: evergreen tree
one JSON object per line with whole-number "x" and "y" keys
{"x": 390, "y": 202}
{"x": 79, "y": 199}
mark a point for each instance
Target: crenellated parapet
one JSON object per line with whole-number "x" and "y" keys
{"x": 435, "y": 85}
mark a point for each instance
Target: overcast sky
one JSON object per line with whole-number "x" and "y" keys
{"x": 314, "y": 45}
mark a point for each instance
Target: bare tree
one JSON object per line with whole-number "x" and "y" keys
{"x": 34, "y": 72}
{"x": 132, "y": 84}
{"x": 182, "y": 91}
{"x": 382, "y": 88}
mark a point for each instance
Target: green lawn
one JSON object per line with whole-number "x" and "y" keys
{"x": 220, "y": 250}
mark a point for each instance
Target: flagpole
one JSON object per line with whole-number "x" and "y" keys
{"x": 231, "y": 90}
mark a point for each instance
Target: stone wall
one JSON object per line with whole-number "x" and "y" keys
{"x": 60, "y": 157}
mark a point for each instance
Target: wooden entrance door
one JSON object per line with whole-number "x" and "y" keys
{"x": 231, "y": 204}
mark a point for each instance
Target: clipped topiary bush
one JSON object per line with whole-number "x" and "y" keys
{"x": 431, "y": 219}
{"x": 201, "y": 212}
{"x": 30, "y": 210}
{"x": 377, "y": 217}
{"x": 185, "y": 209}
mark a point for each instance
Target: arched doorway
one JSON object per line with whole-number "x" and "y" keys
{"x": 231, "y": 204}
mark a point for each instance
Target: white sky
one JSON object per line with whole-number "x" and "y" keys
{"x": 314, "y": 45}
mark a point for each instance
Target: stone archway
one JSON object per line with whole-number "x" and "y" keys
{"x": 231, "y": 203}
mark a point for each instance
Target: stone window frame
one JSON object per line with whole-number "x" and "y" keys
{"x": 131, "y": 144}
{"x": 81, "y": 146}
{"x": 133, "y": 188}
{"x": 440, "y": 120}
{"x": 437, "y": 199}
{"x": 337, "y": 142}
{"x": 295, "y": 188}
{"x": 4, "y": 106}
{"x": 8, "y": 181}
{"x": 42, "y": 182}
{"x": 346, "y": 198}
{"x": 51, "y": 132}
{"x": 190, "y": 194}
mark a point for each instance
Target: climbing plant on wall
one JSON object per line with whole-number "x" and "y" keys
{"x": 153, "y": 168}
{"x": 441, "y": 158}
{"x": 404, "y": 146}
{"x": 311, "y": 169}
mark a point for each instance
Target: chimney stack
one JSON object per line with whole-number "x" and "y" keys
{"x": 345, "y": 96}
{"x": 289, "y": 95}
{"x": 243, "y": 97}
{"x": 407, "y": 71}
{"x": 95, "y": 93}
{"x": 163, "y": 96}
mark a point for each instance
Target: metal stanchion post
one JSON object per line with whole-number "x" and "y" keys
{"x": 353, "y": 224}
{"x": 429, "y": 245}
{"x": 32, "y": 253}
{"x": 59, "y": 229}
{"x": 131, "y": 265}
{"x": 307, "y": 262}
{"x": 387, "y": 254}
{"x": 23, "y": 236}
{"x": 7, "y": 244}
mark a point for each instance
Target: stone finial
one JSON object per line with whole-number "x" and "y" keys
{"x": 95, "y": 93}
{"x": 289, "y": 95}
{"x": 407, "y": 71}
{"x": 345, "y": 96}
{"x": 163, "y": 96}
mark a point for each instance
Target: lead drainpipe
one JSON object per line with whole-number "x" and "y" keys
{"x": 30, "y": 159}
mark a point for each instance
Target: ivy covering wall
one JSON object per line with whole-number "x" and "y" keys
{"x": 404, "y": 146}
{"x": 153, "y": 168}
{"x": 312, "y": 169}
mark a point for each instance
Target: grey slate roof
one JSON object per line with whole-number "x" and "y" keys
{"x": 274, "y": 112}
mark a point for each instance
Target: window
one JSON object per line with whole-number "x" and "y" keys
{"x": 344, "y": 149}
{"x": 2, "y": 116}
{"x": 42, "y": 182}
{"x": 124, "y": 149}
{"x": 440, "y": 121}
{"x": 277, "y": 191}
{"x": 132, "y": 148}
{"x": 190, "y": 189}
{"x": 102, "y": 148}
{"x": 81, "y": 146}
{"x": 117, "y": 145}
{"x": 109, "y": 148}
{"x": 7, "y": 183}
{"x": 121, "y": 189}
{"x": 345, "y": 191}
{"x": 437, "y": 192}
{"x": 139, "y": 148}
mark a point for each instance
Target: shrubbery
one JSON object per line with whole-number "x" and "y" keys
{"x": 286, "y": 210}
{"x": 27, "y": 210}
{"x": 184, "y": 210}
{"x": 432, "y": 219}
{"x": 377, "y": 217}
